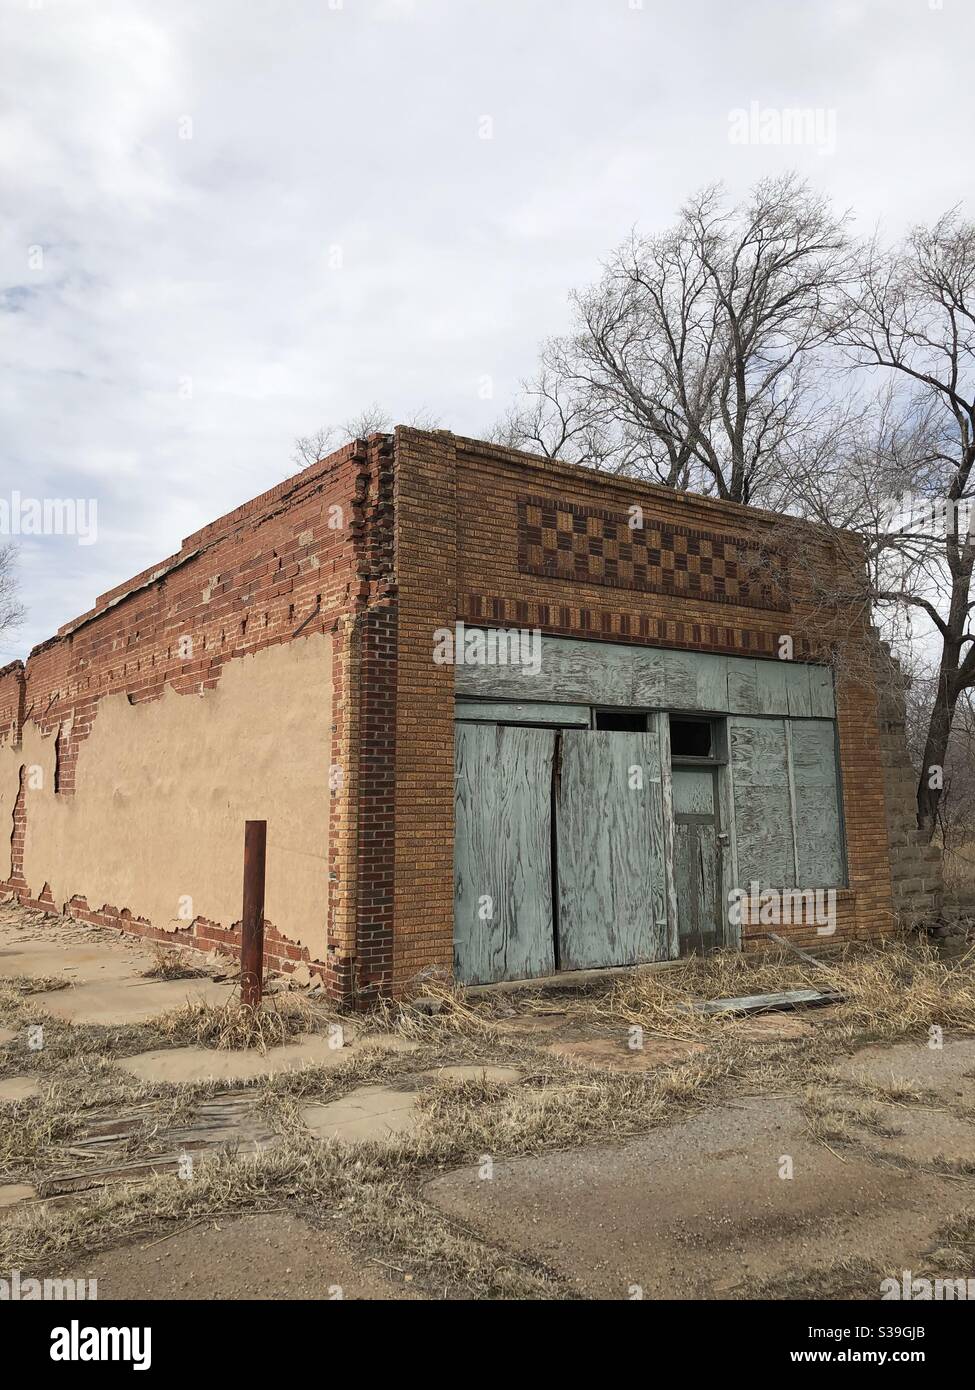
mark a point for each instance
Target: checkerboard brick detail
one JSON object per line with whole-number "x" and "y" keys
{"x": 593, "y": 545}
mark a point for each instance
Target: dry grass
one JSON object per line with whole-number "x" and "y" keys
{"x": 904, "y": 988}
{"x": 838, "y": 1118}
{"x": 235, "y": 1026}
{"x": 848, "y": 1278}
{"x": 890, "y": 993}
{"x": 311, "y": 1177}
{"x": 172, "y": 963}
{"x": 437, "y": 1012}
{"x": 18, "y": 987}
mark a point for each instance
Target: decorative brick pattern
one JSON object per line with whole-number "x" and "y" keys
{"x": 611, "y": 625}
{"x": 567, "y": 541}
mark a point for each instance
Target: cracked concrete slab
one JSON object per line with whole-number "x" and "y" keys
{"x": 14, "y": 1088}
{"x": 105, "y": 984}
{"x": 132, "y": 1000}
{"x": 475, "y": 1071}
{"x": 380, "y": 1113}
{"x": 13, "y": 1192}
{"x": 370, "y": 1113}
{"x": 79, "y": 963}
{"x": 615, "y": 1054}
{"x": 949, "y": 1070}
{"x": 699, "y": 1209}
{"x": 176, "y": 1064}
{"x": 266, "y": 1256}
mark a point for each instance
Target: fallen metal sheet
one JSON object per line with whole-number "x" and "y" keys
{"x": 768, "y": 1003}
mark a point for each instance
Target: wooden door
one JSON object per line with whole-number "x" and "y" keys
{"x": 697, "y": 860}
{"x": 503, "y": 925}
{"x": 609, "y": 850}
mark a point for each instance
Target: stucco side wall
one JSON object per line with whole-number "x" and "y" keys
{"x": 243, "y": 677}
{"x": 162, "y": 790}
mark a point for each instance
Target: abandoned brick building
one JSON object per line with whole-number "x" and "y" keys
{"x": 503, "y": 717}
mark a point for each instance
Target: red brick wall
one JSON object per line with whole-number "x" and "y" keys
{"x": 426, "y": 578}
{"x": 461, "y": 555}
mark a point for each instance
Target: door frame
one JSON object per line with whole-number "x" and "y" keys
{"x": 560, "y": 716}
{"x": 720, "y": 761}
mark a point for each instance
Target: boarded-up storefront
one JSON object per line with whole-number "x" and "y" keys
{"x": 606, "y": 820}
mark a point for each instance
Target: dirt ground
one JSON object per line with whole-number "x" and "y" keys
{"x": 607, "y": 1144}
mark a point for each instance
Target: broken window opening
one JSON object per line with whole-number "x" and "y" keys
{"x": 622, "y": 720}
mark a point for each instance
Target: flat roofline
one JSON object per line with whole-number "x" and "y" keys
{"x": 578, "y": 471}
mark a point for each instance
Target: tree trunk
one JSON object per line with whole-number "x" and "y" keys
{"x": 936, "y": 744}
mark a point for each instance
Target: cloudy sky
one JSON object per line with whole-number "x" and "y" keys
{"x": 225, "y": 224}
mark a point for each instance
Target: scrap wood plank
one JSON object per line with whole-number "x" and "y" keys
{"x": 133, "y": 1170}
{"x": 229, "y": 1122}
{"x": 767, "y": 1003}
{"x": 140, "y": 1168}
{"x": 791, "y": 946}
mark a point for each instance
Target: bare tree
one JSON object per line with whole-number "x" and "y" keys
{"x": 694, "y": 358}
{"x": 309, "y": 448}
{"x": 911, "y": 314}
{"x": 12, "y": 611}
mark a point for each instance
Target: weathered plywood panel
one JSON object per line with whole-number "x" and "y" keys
{"x": 763, "y": 810}
{"x": 693, "y": 791}
{"x": 503, "y": 925}
{"x": 612, "y": 908}
{"x": 822, "y": 699}
{"x": 772, "y": 680}
{"x": 711, "y": 674}
{"x": 800, "y": 698}
{"x": 612, "y": 673}
{"x": 662, "y": 723}
{"x": 818, "y": 825}
{"x": 649, "y": 688}
{"x": 697, "y": 871}
{"x": 680, "y": 680}
{"x": 571, "y": 671}
{"x": 710, "y": 884}
{"x": 521, "y": 712}
{"x": 686, "y": 879}
{"x": 743, "y": 686}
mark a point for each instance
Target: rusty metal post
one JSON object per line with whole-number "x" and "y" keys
{"x": 252, "y": 918}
